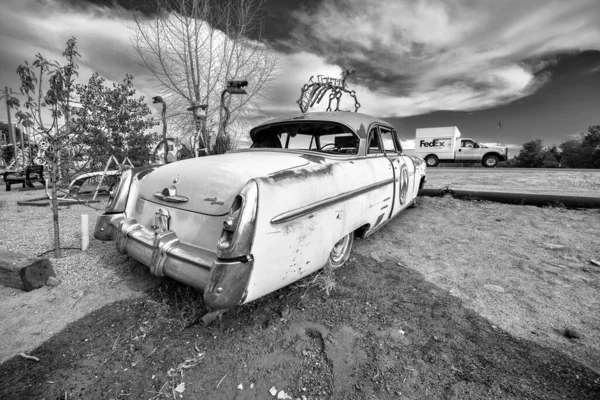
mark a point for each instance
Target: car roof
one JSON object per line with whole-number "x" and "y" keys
{"x": 358, "y": 122}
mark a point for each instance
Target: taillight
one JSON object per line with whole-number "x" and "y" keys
{"x": 239, "y": 226}
{"x": 117, "y": 199}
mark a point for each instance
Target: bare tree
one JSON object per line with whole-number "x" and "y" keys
{"x": 193, "y": 47}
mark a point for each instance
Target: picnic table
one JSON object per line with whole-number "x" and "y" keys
{"x": 31, "y": 174}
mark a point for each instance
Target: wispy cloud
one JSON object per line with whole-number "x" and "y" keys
{"x": 28, "y": 27}
{"x": 413, "y": 57}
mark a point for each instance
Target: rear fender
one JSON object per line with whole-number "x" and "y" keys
{"x": 302, "y": 214}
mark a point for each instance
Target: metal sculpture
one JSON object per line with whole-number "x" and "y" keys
{"x": 314, "y": 91}
{"x": 41, "y": 158}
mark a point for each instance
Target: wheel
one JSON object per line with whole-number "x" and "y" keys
{"x": 432, "y": 161}
{"x": 340, "y": 252}
{"x": 490, "y": 161}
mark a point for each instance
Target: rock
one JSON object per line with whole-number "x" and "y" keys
{"x": 241, "y": 386}
{"x": 375, "y": 257}
{"x": 494, "y": 288}
{"x": 571, "y": 333}
{"x": 283, "y": 396}
{"x": 52, "y": 281}
{"x": 273, "y": 390}
{"x": 180, "y": 388}
{"x": 51, "y": 298}
{"x": 551, "y": 246}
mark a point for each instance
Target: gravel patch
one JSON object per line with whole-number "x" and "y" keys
{"x": 28, "y": 230}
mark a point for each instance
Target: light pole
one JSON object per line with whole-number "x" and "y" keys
{"x": 233, "y": 87}
{"x": 156, "y": 100}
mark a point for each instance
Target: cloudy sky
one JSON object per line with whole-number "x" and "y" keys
{"x": 534, "y": 64}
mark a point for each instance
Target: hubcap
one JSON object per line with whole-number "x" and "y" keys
{"x": 339, "y": 250}
{"x": 430, "y": 161}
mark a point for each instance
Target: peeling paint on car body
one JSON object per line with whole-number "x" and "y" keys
{"x": 305, "y": 201}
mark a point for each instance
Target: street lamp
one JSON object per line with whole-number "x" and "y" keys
{"x": 156, "y": 100}
{"x": 233, "y": 87}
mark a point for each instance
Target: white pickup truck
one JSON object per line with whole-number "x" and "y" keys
{"x": 444, "y": 144}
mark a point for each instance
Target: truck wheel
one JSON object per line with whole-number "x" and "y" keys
{"x": 432, "y": 161}
{"x": 490, "y": 161}
{"x": 340, "y": 252}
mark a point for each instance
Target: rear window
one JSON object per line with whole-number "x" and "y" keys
{"x": 323, "y": 137}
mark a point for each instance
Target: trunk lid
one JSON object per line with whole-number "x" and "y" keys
{"x": 208, "y": 185}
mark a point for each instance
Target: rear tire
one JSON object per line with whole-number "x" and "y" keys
{"x": 432, "y": 161}
{"x": 340, "y": 252}
{"x": 490, "y": 161}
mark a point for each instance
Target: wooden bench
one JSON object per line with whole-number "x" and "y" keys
{"x": 32, "y": 173}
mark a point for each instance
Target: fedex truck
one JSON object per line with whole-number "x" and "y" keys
{"x": 444, "y": 144}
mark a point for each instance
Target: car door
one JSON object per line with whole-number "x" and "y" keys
{"x": 383, "y": 169}
{"x": 403, "y": 169}
{"x": 468, "y": 150}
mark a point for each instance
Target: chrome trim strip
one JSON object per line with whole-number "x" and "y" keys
{"x": 319, "y": 205}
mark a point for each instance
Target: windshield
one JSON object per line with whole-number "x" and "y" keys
{"x": 317, "y": 136}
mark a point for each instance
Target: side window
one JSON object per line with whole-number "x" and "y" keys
{"x": 374, "y": 146}
{"x": 387, "y": 139}
{"x": 397, "y": 141}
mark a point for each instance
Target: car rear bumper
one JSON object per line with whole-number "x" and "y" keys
{"x": 224, "y": 282}
{"x": 162, "y": 252}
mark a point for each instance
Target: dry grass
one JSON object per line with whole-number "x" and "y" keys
{"x": 561, "y": 181}
{"x": 527, "y": 269}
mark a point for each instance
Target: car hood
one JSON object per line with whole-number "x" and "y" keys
{"x": 208, "y": 185}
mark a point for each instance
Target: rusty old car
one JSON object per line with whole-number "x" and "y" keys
{"x": 243, "y": 224}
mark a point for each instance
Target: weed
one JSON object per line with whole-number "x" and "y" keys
{"x": 326, "y": 281}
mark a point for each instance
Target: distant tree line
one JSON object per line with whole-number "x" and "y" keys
{"x": 583, "y": 152}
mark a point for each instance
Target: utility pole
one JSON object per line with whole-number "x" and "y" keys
{"x": 499, "y": 129}
{"x": 11, "y": 133}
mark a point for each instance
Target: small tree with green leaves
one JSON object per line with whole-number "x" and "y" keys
{"x": 531, "y": 155}
{"x": 115, "y": 122}
{"x": 583, "y": 152}
{"x": 61, "y": 130}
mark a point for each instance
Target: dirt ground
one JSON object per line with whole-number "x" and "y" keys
{"x": 451, "y": 300}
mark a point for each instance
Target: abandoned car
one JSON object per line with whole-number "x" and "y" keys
{"x": 243, "y": 224}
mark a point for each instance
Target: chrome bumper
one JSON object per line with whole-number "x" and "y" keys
{"x": 162, "y": 252}
{"x": 224, "y": 282}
